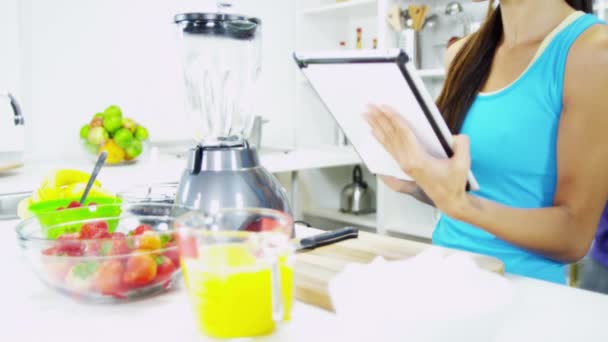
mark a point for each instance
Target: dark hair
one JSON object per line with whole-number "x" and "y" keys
{"x": 471, "y": 66}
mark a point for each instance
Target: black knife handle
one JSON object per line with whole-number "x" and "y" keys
{"x": 329, "y": 237}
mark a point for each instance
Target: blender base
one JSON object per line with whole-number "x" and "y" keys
{"x": 229, "y": 177}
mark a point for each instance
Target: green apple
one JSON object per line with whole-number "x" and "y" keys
{"x": 97, "y": 135}
{"x": 129, "y": 124}
{"x": 135, "y": 149}
{"x": 112, "y": 123}
{"x": 98, "y": 115}
{"x": 84, "y": 132}
{"x": 112, "y": 111}
{"x": 141, "y": 133}
{"x": 123, "y": 138}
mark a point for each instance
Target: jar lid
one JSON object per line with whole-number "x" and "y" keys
{"x": 219, "y": 24}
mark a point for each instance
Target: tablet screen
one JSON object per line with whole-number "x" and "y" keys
{"x": 347, "y": 89}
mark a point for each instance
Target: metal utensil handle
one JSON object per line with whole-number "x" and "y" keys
{"x": 100, "y": 161}
{"x": 330, "y": 237}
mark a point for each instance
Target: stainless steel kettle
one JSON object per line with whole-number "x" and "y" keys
{"x": 358, "y": 197}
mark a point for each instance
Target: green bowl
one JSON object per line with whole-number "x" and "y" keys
{"x": 53, "y": 221}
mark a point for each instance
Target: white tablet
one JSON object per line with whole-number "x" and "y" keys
{"x": 347, "y": 81}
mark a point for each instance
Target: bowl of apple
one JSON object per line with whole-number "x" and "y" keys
{"x": 127, "y": 255}
{"x": 125, "y": 140}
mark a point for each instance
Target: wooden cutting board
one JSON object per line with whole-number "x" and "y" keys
{"x": 314, "y": 269}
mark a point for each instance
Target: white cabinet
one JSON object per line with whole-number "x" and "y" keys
{"x": 10, "y": 55}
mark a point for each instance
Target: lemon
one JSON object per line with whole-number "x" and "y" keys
{"x": 115, "y": 153}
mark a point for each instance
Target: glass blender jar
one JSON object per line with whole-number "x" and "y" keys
{"x": 221, "y": 62}
{"x": 221, "y": 56}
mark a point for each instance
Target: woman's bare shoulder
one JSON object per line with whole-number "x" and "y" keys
{"x": 587, "y": 65}
{"x": 590, "y": 50}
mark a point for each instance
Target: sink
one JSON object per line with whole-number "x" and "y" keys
{"x": 9, "y": 204}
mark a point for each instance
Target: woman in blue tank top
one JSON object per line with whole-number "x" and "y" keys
{"x": 528, "y": 97}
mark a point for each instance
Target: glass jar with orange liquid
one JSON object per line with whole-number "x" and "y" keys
{"x": 238, "y": 269}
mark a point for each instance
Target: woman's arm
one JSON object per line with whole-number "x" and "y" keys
{"x": 408, "y": 188}
{"x": 564, "y": 231}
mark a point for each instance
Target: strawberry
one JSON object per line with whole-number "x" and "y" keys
{"x": 94, "y": 230}
{"x": 165, "y": 268}
{"x": 67, "y": 245}
{"x": 140, "y": 270}
{"x": 172, "y": 253}
{"x": 114, "y": 247}
{"x": 74, "y": 204}
{"x": 108, "y": 279}
{"x": 142, "y": 229}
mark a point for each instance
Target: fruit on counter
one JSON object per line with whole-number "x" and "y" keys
{"x": 81, "y": 276}
{"x": 135, "y": 149}
{"x": 140, "y": 270}
{"x": 142, "y": 228}
{"x": 113, "y": 110}
{"x": 120, "y": 136}
{"x": 97, "y": 121}
{"x": 112, "y": 123}
{"x": 129, "y": 124}
{"x": 165, "y": 267}
{"x": 97, "y": 136}
{"x": 149, "y": 241}
{"x": 115, "y": 153}
{"x": 108, "y": 278}
{"x": 62, "y": 184}
{"x": 123, "y": 138}
{"x": 141, "y": 133}
{"x": 94, "y": 230}
{"x": 84, "y": 132}
{"x": 119, "y": 263}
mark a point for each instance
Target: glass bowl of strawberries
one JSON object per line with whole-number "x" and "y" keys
{"x": 129, "y": 255}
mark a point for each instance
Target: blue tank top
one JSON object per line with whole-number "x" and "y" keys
{"x": 513, "y": 134}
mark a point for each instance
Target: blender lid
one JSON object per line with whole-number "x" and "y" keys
{"x": 219, "y": 24}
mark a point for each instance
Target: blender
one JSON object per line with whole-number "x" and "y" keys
{"x": 221, "y": 57}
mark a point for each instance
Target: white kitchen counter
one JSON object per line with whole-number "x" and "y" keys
{"x": 169, "y": 169}
{"x": 31, "y": 312}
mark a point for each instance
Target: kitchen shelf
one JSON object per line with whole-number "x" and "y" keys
{"x": 350, "y": 7}
{"x": 366, "y": 221}
{"x": 431, "y": 73}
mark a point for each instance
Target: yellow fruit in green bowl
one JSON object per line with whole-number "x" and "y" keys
{"x": 62, "y": 184}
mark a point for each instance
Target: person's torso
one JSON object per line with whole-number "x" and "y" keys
{"x": 513, "y": 134}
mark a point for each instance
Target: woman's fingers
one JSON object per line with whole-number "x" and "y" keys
{"x": 381, "y": 121}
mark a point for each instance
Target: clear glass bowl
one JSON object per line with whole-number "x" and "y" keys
{"x": 116, "y": 266}
{"x": 116, "y": 154}
{"x": 155, "y": 193}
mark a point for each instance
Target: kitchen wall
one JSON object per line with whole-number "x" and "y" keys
{"x": 79, "y": 56}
